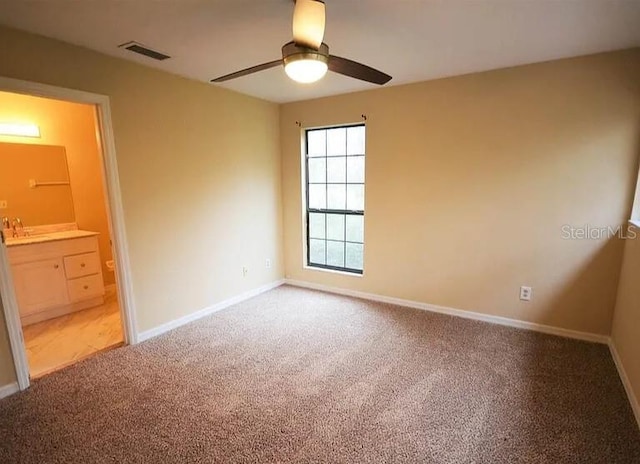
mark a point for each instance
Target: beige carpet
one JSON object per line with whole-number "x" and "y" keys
{"x": 301, "y": 376}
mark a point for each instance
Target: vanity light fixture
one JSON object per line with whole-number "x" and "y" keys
{"x": 19, "y": 130}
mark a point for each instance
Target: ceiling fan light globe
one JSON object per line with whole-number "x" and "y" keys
{"x": 306, "y": 71}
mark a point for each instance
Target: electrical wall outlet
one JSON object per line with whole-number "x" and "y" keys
{"x": 3, "y": 204}
{"x": 526, "y": 293}
{"x": 267, "y": 263}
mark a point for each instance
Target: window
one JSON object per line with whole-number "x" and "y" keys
{"x": 334, "y": 161}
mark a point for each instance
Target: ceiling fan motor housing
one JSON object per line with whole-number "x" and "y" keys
{"x": 292, "y": 52}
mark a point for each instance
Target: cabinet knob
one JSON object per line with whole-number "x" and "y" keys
{"x": 86, "y": 287}
{"x": 81, "y": 264}
{"x": 55, "y": 266}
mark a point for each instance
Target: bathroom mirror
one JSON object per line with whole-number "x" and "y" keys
{"x": 34, "y": 184}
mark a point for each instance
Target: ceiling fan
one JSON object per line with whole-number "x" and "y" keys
{"x": 306, "y": 58}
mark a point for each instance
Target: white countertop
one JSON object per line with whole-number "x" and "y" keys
{"x": 49, "y": 237}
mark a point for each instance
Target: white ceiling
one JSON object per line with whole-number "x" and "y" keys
{"x": 413, "y": 40}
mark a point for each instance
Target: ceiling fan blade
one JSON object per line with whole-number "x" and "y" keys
{"x": 251, "y": 70}
{"x": 357, "y": 70}
{"x": 308, "y": 23}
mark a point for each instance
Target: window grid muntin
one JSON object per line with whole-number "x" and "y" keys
{"x": 326, "y": 211}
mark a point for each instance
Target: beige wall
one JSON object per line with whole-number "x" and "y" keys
{"x": 73, "y": 126}
{"x": 626, "y": 323}
{"x": 199, "y": 169}
{"x": 7, "y": 370}
{"x": 469, "y": 181}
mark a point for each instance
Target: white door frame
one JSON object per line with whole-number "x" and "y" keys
{"x": 115, "y": 215}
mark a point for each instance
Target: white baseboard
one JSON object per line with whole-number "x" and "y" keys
{"x": 146, "y": 335}
{"x": 590, "y": 337}
{"x": 9, "y": 389}
{"x": 635, "y": 406}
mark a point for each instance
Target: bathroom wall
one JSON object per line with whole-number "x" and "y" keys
{"x": 73, "y": 126}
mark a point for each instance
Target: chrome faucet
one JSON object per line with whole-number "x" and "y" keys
{"x": 17, "y": 222}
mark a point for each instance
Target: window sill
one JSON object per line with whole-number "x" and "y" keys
{"x": 635, "y": 222}
{"x": 332, "y": 271}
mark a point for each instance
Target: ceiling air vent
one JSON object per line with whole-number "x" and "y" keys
{"x": 142, "y": 50}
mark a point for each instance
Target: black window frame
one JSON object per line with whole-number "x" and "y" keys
{"x": 325, "y": 211}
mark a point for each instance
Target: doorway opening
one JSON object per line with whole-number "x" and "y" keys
{"x": 64, "y": 276}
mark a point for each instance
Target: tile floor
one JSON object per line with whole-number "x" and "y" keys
{"x": 65, "y": 340}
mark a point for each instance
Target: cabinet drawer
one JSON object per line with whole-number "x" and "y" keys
{"x": 85, "y": 287}
{"x": 81, "y": 265}
{"x": 51, "y": 250}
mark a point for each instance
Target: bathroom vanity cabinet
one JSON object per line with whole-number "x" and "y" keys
{"x": 56, "y": 274}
